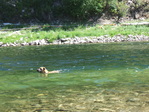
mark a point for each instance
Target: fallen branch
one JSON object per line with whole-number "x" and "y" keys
{"x": 142, "y": 23}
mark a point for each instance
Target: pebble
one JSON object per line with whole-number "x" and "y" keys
{"x": 133, "y": 100}
{"x": 82, "y": 40}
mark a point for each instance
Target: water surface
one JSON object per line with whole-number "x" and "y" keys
{"x": 94, "y": 77}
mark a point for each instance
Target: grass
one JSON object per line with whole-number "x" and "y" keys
{"x": 9, "y": 35}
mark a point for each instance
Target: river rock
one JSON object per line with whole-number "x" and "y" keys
{"x": 133, "y": 100}
{"x": 24, "y": 44}
{"x": 38, "y": 42}
{"x": 1, "y": 43}
{"x": 43, "y": 42}
{"x": 81, "y": 40}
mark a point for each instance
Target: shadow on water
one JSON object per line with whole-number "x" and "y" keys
{"x": 94, "y": 77}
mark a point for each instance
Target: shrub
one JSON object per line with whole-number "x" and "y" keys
{"x": 51, "y": 10}
{"x": 121, "y": 9}
{"x": 81, "y": 9}
{"x": 138, "y": 6}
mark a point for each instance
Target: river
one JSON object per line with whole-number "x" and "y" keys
{"x": 111, "y": 77}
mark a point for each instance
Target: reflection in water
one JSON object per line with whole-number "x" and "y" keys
{"x": 94, "y": 77}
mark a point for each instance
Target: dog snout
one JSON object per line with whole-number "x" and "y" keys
{"x": 38, "y": 70}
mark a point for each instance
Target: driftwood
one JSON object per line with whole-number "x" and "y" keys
{"x": 141, "y": 23}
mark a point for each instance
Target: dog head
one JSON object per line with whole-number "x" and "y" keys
{"x": 42, "y": 70}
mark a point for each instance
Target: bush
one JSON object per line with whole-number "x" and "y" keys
{"x": 121, "y": 9}
{"x": 138, "y": 6}
{"x": 48, "y": 10}
{"x": 8, "y": 11}
{"x": 115, "y": 8}
{"x": 51, "y": 10}
{"x": 82, "y": 9}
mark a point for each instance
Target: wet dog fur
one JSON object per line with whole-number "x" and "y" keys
{"x": 45, "y": 71}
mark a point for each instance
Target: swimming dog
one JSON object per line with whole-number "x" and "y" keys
{"x": 45, "y": 71}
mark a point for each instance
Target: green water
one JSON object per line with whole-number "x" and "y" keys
{"x": 94, "y": 77}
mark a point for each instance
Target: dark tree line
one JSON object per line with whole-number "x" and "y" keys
{"x": 50, "y": 10}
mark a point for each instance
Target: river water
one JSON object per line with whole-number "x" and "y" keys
{"x": 111, "y": 77}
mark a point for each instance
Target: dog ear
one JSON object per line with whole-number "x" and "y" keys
{"x": 44, "y": 68}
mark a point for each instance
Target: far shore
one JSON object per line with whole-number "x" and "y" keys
{"x": 82, "y": 40}
{"x": 11, "y": 35}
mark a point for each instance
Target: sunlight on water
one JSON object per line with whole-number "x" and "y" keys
{"x": 94, "y": 77}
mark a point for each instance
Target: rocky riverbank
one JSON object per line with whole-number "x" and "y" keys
{"x": 82, "y": 40}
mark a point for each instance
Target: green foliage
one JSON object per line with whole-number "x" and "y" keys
{"x": 138, "y": 6}
{"x": 48, "y": 10}
{"x": 116, "y": 8}
{"x": 7, "y": 10}
{"x": 80, "y": 31}
{"x": 81, "y": 9}
{"x": 52, "y": 10}
{"x": 121, "y": 9}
